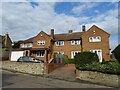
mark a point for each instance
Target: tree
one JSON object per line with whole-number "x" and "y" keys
{"x": 16, "y": 44}
{"x": 116, "y": 52}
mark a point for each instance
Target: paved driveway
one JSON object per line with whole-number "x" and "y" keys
{"x": 18, "y": 80}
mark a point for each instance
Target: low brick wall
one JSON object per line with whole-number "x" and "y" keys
{"x": 49, "y": 67}
{"x": 100, "y": 78}
{"x": 24, "y": 67}
{"x": 4, "y": 55}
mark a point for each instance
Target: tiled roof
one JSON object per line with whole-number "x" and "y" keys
{"x": 28, "y": 40}
{"x": 68, "y": 36}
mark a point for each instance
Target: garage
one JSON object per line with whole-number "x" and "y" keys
{"x": 15, "y": 55}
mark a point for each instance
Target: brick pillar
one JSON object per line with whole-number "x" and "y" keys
{"x": 77, "y": 73}
{"x": 46, "y": 56}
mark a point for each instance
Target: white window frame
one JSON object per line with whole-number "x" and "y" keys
{"x": 75, "y": 42}
{"x": 95, "y": 39}
{"x": 40, "y": 53}
{"x": 59, "y": 43}
{"x": 41, "y": 42}
{"x": 29, "y": 44}
{"x": 73, "y": 53}
{"x": 25, "y": 45}
{"x": 99, "y": 54}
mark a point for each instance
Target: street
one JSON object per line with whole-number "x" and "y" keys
{"x": 19, "y": 80}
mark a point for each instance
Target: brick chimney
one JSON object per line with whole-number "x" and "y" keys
{"x": 6, "y": 39}
{"x": 52, "y": 33}
{"x": 83, "y": 28}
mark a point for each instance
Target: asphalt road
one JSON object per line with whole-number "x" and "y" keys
{"x": 19, "y": 80}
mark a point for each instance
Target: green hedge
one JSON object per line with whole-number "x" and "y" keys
{"x": 84, "y": 58}
{"x": 117, "y": 53}
{"x": 111, "y": 67}
{"x": 69, "y": 61}
{"x": 89, "y": 62}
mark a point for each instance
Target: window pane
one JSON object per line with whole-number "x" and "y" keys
{"x": 59, "y": 43}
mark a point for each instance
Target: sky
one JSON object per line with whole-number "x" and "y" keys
{"x": 23, "y": 20}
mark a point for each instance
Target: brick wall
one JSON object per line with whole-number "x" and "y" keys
{"x": 49, "y": 67}
{"x": 42, "y": 36}
{"x": 67, "y": 48}
{"x": 103, "y": 45}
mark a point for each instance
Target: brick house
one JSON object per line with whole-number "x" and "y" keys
{"x": 5, "y": 46}
{"x": 5, "y": 41}
{"x": 43, "y": 46}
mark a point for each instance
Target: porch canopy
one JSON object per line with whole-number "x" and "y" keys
{"x": 39, "y": 49}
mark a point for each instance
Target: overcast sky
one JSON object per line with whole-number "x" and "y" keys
{"x": 23, "y": 20}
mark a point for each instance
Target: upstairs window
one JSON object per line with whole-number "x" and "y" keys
{"x": 26, "y": 45}
{"x": 61, "y": 52}
{"x": 59, "y": 43}
{"x": 23, "y": 45}
{"x": 95, "y": 39}
{"x": 41, "y": 42}
{"x": 29, "y": 44}
{"x": 75, "y": 42}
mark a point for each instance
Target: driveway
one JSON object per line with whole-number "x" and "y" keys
{"x": 18, "y": 80}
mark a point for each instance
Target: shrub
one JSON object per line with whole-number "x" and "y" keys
{"x": 117, "y": 53}
{"x": 85, "y": 58}
{"x": 69, "y": 61}
{"x": 111, "y": 67}
{"x": 5, "y": 49}
{"x": 16, "y": 45}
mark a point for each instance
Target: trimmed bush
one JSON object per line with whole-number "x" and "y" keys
{"x": 87, "y": 61}
{"x": 117, "y": 53}
{"x": 111, "y": 67}
{"x": 69, "y": 61}
{"x": 84, "y": 58}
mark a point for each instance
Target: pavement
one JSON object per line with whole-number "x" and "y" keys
{"x": 20, "y": 80}
{"x": 67, "y": 72}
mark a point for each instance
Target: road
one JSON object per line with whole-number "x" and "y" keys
{"x": 19, "y": 80}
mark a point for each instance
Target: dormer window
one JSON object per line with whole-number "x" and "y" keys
{"x": 26, "y": 45}
{"x": 41, "y": 42}
{"x": 59, "y": 43}
{"x": 95, "y": 39}
{"x": 29, "y": 45}
{"x": 75, "y": 42}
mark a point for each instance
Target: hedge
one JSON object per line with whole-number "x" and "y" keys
{"x": 69, "y": 61}
{"x": 85, "y": 58}
{"x": 111, "y": 67}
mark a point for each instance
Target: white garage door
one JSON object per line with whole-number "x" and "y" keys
{"x": 15, "y": 55}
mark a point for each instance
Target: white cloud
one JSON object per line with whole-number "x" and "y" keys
{"x": 97, "y": 11}
{"x": 83, "y": 7}
{"x": 108, "y": 22}
{"x": 23, "y": 21}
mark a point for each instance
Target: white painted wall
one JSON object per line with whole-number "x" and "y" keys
{"x": 15, "y": 55}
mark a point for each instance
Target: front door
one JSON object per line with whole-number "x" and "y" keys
{"x": 26, "y": 53}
